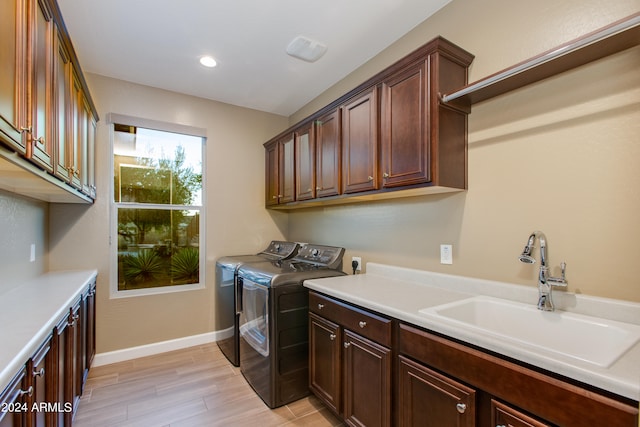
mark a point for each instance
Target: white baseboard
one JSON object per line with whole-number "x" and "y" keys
{"x": 155, "y": 348}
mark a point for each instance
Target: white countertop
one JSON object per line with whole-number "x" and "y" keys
{"x": 401, "y": 293}
{"x": 29, "y": 313}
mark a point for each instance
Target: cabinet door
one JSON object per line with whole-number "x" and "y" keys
{"x": 272, "y": 179}
{"x": 71, "y": 365}
{"x": 287, "y": 170}
{"x": 76, "y": 132}
{"x": 13, "y": 73}
{"x": 40, "y": 136}
{"x": 61, "y": 344}
{"x": 367, "y": 382}
{"x": 91, "y": 328}
{"x": 360, "y": 143}
{"x": 81, "y": 348}
{"x": 404, "y": 128}
{"x": 324, "y": 361}
{"x": 42, "y": 367}
{"x": 61, "y": 104}
{"x": 506, "y": 416}
{"x": 90, "y": 154}
{"x": 305, "y": 155}
{"x": 328, "y": 155}
{"x": 14, "y": 399}
{"x": 427, "y": 398}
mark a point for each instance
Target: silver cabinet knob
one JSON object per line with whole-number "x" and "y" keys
{"x": 385, "y": 175}
{"x": 346, "y": 344}
{"x": 370, "y": 178}
{"x": 332, "y": 337}
{"x": 461, "y": 407}
{"x": 39, "y": 373}
{"x": 362, "y": 324}
{"x": 28, "y": 392}
{"x": 318, "y": 188}
{"x": 320, "y": 306}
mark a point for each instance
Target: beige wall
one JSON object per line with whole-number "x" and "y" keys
{"x": 237, "y": 222}
{"x": 23, "y": 221}
{"x": 559, "y": 156}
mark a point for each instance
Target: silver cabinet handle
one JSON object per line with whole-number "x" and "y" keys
{"x": 385, "y": 175}
{"x": 39, "y": 373}
{"x": 332, "y": 337}
{"x": 461, "y": 407}
{"x": 318, "y": 188}
{"x": 346, "y": 344}
{"x": 28, "y": 392}
{"x": 320, "y": 306}
{"x": 370, "y": 178}
{"x": 362, "y": 324}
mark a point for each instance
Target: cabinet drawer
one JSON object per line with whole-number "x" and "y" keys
{"x": 365, "y": 323}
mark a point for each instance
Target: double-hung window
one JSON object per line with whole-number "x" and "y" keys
{"x": 157, "y": 212}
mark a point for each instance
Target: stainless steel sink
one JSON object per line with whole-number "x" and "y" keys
{"x": 590, "y": 339}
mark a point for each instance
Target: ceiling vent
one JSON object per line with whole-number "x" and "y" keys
{"x": 306, "y": 49}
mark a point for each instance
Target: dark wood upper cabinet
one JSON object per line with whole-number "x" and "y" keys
{"x": 13, "y": 74}
{"x": 328, "y": 157}
{"x": 40, "y": 85}
{"x": 360, "y": 143}
{"x": 389, "y": 133}
{"x": 47, "y": 116}
{"x": 404, "y": 128}
{"x": 305, "y": 159}
{"x": 280, "y": 168}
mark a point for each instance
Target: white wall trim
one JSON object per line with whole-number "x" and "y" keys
{"x": 154, "y": 348}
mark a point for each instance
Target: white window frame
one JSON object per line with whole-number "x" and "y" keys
{"x": 111, "y": 119}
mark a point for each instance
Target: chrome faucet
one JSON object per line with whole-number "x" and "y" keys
{"x": 545, "y": 282}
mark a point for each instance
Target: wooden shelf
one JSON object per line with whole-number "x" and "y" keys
{"x": 613, "y": 38}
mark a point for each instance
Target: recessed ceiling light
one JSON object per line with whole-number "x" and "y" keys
{"x": 208, "y": 61}
{"x": 306, "y": 49}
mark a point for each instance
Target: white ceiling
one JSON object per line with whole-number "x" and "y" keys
{"x": 158, "y": 43}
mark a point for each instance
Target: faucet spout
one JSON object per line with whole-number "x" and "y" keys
{"x": 545, "y": 282}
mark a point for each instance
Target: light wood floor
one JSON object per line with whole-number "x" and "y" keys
{"x": 191, "y": 387}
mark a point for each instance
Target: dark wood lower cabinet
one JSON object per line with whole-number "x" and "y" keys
{"x": 13, "y": 401}
{"x": 507, "y": 393}
{"x": 372, "y": 370}
{"x": 505, "y": 416}
{"x": 350, "y": 372}
{"x": 429, "y": 399}
{"x": 325, "y": 371}
{"x": 47, "y": 391}
{"x": 367, "y": 382}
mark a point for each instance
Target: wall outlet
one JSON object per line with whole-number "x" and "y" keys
{"x": 32, "y": 256}
{"x": 359, "y": 261}
{"x": 446, "y": 254}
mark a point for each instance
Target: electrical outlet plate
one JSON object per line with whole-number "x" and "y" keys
{"x": 446, "y": 254}
{"x": 359, "y": 259}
